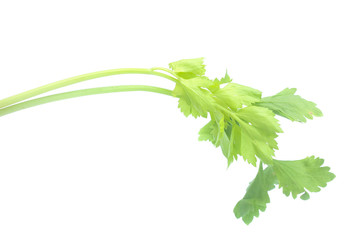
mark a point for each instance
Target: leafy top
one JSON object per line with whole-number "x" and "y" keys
{"x": 243, "y": 124}
{"x": 236, "y": 125}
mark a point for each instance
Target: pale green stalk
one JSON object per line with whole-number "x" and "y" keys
{"x": 69, "y": 81}
{"x": 80, "y": 93}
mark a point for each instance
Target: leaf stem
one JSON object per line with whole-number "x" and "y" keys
{"x": 230, "y": 113}
{"x": 80, "y": 93}
{"x": 165, "y": 70}
{"x": 69, "y": 81}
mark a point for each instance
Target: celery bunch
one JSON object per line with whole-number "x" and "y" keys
{"x": 242, "y": 123}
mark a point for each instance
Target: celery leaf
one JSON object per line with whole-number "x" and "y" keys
{"x": 290, "y": 106}
{"x": 256, "y": 196}
{"x": 194, "y": 98}
{"x": 235, "y": 95}
{"x": 296, "y": 177}
{"x": 250, "y": 133}
{"x": 217, "y": 82}
{"x": 259, "y": 129}
{"x": 188, "y": 68}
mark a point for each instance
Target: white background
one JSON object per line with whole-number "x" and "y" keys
{"x": 128, "y": 165}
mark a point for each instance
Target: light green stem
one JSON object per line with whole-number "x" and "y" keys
{"x": 69, "y": 81}
{"x": 80, "y": 93}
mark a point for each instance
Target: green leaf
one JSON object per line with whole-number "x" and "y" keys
{"x": 230, "y": 141}
{"x": 250, "y": 133}
{"x": 235, "y": 95}
{"x": 296, "y": 176}
{"x": 193, "y": 96}
{"x": 189, "y": 68}
{"x": 225, "y": 79}
{"x": 209, "y": 132}
{"x": 216, "y": 83}
{"x": 290, "y": 106}
{"x": 258, "y": 130}
{"x": 256, "y": 196}
{"x": 214, "y": 130}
